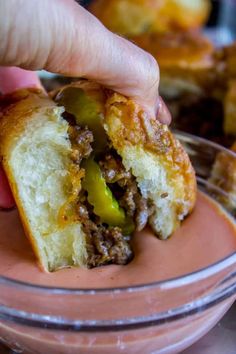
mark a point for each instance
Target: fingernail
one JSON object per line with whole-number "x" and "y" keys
{"x": 162, "y": 112}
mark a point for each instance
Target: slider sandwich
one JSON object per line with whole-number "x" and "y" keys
{"x": 88, "y": 167}
{"x": 223, "y": 175}
{"x": 186, "y": 61}
{"x": 135, "y": 17}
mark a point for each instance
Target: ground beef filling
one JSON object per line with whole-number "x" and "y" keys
{"x": 81, "y": 140}
{"x": 125, "y": 189}
{"x": 104, "y": 245}
{"x": 107, "y": 245}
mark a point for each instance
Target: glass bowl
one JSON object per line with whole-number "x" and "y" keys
{"x": 162, "y": 317}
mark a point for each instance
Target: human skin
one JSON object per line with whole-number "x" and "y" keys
{"x": 62, "y": 37}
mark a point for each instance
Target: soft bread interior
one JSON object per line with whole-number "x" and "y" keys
{"x": 223, "y": 175}
{"x": 38, "y": 163}
{"x": 166, "y": 178}
{"x": 36, "y": 152}
{"x": 155, "y": 185}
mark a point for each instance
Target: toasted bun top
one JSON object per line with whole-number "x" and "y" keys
{"x": 128, "y": 125}
{"x": 181, "y": 15}
{"x": 135, "y": 127}
{"x": 132, "y": 17}
{"x": 226, "y": 61}
{"x": 36, "y": 151}
{"x": 184, "y": 50}
{"x": 12, "y": 106}
{"x": 126, "y": 17}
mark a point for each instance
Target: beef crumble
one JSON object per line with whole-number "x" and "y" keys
{"x": 105, "y": 245}
{"x": 81, "y": 140}
{"x": 125, "y": 189}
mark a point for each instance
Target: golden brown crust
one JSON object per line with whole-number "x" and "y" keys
{"x": 131, "y": 17}
{"x": 225, "y": 59}
{"x": 126, "y": 17}
{"x": 175, "y": 15}
{"x": 91, "y": 87}
{"x": 224, "y": 176}
{"x": 16, "y": 109}
{"x": 179, "y": 49}
{"x": 185, "y": 56}
{"x": 140, "y": 129}
{"x": 228, "y": 178}
{"x": 136, "y": 128}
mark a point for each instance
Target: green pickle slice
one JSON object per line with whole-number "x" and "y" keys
{"x": 102, "y": 199}
{"x": 100, "y": 196}
{"x": 88, "y": 112}
{"x": 87, "y": 108}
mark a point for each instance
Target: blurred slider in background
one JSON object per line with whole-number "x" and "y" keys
{"x": 193, "y": 44}
{"x": 197, "y": 60}
{"x": 221, "y": 25}
{"x": 198, "y": 73}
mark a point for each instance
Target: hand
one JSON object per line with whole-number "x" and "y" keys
{"x": 62, "y": 37}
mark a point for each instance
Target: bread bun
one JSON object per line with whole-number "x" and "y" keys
{"x": 158, "y": 161}
{"x": 181, "y": 15}
{"x": 36, "y": 150}
{"x": 126, "y": 17}
{"x": 223, "y": 175}
{"x": 185, "y": 59}
{"x": 134, "y": 17}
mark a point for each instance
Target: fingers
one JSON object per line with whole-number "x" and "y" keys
{"x": 62, "y": 37}
{"x": 163, "y": 114}
{"x": 128, "y": 70}
{"x": 12, "y": 78}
